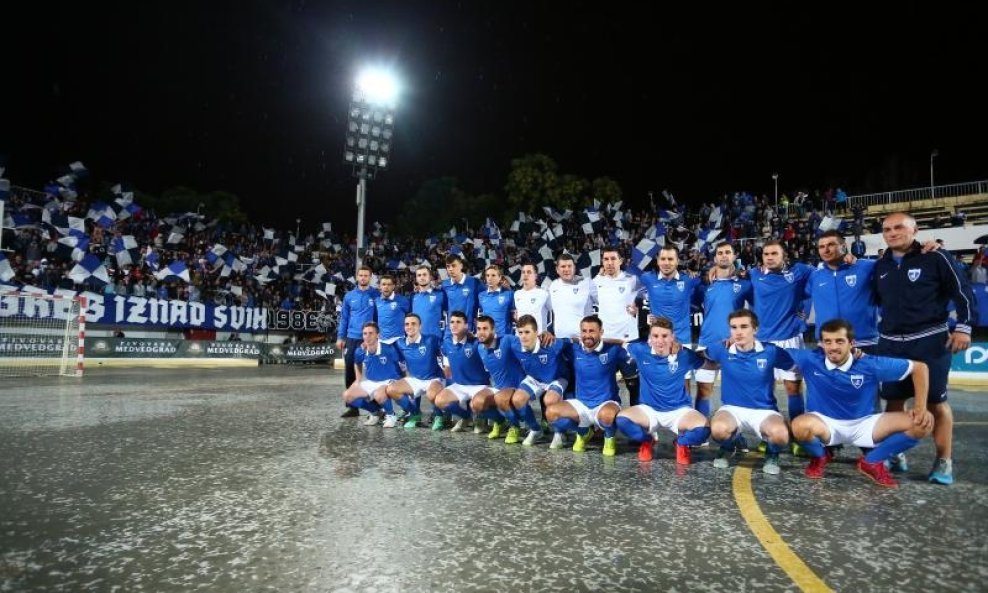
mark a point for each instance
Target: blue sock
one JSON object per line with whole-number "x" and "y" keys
{"x": 389, "y": 407}
{"x": 418, "y": 405}
{"x": 703, "y": 406}
{"x": 583, "y": 430}
{"x": 694, "y": 437}
{"x": 406, "y": 403}
{"x": 511, "y": 416}
{"x": 564, "y": 425}
{"x": 492, "y": 414}
{"x": 458, "y": 410}
{"x": 366, "y": 404}
{"x": 893, "y": 444}
{"x": 609, "y": 430}
{"x": 814, "y": 447}
{"x": 632, "y": 430}
{"x": 528, "y": 415}
{"x": 772, "y": 448}
{"x": 795, "y": 406}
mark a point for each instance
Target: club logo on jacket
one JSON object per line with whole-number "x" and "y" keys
{"x": 913, "y": 274}
{"x": 857, "y": 381}
{"x": 851, "y": 280}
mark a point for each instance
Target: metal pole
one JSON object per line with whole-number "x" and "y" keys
{"x": 932, "y": 190}
{"x": 361, "y": 205}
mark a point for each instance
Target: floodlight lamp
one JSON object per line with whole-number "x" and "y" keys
{"x": 362, "y": 143}
{"x": 382, "y": 162}
{"x": 378, "y": 87}
{"x": 348, "y": 156}
{"x": 374, "y": 145}
{"x": 386, "y": 133}
{"x": 371, "y": 160}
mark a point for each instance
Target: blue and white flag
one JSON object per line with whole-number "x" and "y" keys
{"x": 126, "y": 250}
{"x": 644, "y": 253}
{"x": 75, "y": 246}
{"x": 176, "y": 269}
{"x": 89, "y": 267}
{"x": 6, "y": 272}
{"x": 151, "y": 259}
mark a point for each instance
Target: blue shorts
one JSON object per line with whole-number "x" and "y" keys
{"x": 932, "y": 350}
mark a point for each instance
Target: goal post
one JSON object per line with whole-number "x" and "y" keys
{"x": 42, "y": 334}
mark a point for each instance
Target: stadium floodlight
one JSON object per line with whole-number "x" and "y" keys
{"x": 370, "y": 127}
{"x": 933, "y": 154}
{"x": 775, "y": 178}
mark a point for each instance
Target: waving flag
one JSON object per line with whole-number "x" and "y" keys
{"x": 125, "y": 249}
{"x": 643, "y": 254}
{"x": 6, "y": 272}
{"x": 176, "y": 269}
{"x": 89, "y": 267}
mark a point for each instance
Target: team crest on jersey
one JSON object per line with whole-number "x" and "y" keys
{"x": 432, "y": 298}
{"x": 673, "y": 365}
{"x": 543, "y": 358}
{"x": 421, "y": 350}
{"x": 576, "y": 289}
{"x": 466, "y": 291}
{"x": 532, "y": 300}
{"x": 857, "y": 381}
{"x": 468, "y": 352}
{"x": 762, "y": 363}
{"x": 602, "y": 358}
{"x": 789, "y": 276}
{"x": 620, "y": 289}
{"x": 681, "y": 285}
{"x": 394, "y": 306}
{"x": 383, "y": 359}
{"x": 500, "y": 300}
{"x": 851, "y": 279}
{"x": 497, "y": 354}
{"x": 913, "y": 274}
{"x": 737, "y": 288}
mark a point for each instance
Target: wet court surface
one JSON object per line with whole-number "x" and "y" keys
{"x": 247, "y": 480}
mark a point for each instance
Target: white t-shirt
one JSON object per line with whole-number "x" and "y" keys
{"x": 570, "y": 302}
{"x": 534, "y": 302}
{"x": 614, "y": 294}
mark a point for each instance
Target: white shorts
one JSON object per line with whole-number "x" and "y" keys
{"x": 420, "y": 386}
{"x": 793, "y": 342}
{"x": 588, "y": 416}
{"x": 705, "y": 375}
{"x": 535, "y": 388}
{"x": 667, "y": 420}
{"x": 749, "y": 419}
{"x": 858, "y": 432}
{"x": 371, "y": 386}
{"x": 465, "y": 393}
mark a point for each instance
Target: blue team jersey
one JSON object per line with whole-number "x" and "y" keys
{"x": 847, "y": 392}
{"x": 544, "y": 364}
{"x": 778, "y": 298}
{"x": 465, "y": 362}
{"x": 503, "y": 366}
{"x": 748, "y": 378}
{"x": 390, "y": 315}
{"x": 421, "y": 358}
{"x": 381, "y": 365}
{"x": 846, "y": 293}
{"x": 662, "y": 377}
{"x": 462, "y": 296}
{"x": 358, "y": 309}
{"x": 594, "y": 372}
{"x": 720, "y": 298}
{"x": 498, "y": 304}
{"x": 430, "y": 305}
{"x": 671, "y": 299}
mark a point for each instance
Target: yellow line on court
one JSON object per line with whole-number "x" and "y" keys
{"x": 788, "y": 561}
{"x": 970, "y": 423}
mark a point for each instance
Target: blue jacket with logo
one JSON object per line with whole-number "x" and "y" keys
{"x": 846, "y": 293}
{"x": 914, "y": 294}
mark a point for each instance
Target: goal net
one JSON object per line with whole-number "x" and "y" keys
{"x": 41, "y": 334}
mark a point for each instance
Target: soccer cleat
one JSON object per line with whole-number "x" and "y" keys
{"x": 557, "y": 441}
{"x": 513, "y": 436}
{"x": 877, "y": 472}
{"x": 798, "y": 451}
{"x": 480, "y": 426}
{"x": 437, "y": 422}
{"x": 814, "y": 470}
{"x": 740, "y": 444}
{"x": 721, "y": 461}
{"x": 771, "y": 466}
{"x": 460, "y": 426}
{"x": 898, "y": 464}
{"x": 942, "y": 472}
{"x": 390, "y": 421}
{"x": 496, "y": 429}
{"x": 683, "y": 454}
{"x": 645, "y": 451}
{"x": 532, "y": 438}
{"x": 372, "y": 420}
{"x": 610, "y": 446}
{"x": 545, "y": 425}
{"x": 413, "y": 421}
{"x": 350, "y": 413}
{"x": 762, "y": 446}
{"x": 580, "y": 444}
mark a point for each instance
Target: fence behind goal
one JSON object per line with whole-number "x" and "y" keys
{"x": 41, "y": 334}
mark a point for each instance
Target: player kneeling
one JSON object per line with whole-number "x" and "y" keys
{"x": 664, "y": 400}
{"x": 470, "y": 378}
{"x": 597, "y": 402}
{"x": 840, "y": 398}
{"x": 376, "y": 366}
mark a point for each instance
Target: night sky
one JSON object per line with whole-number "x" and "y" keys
{"x": 251, "y": 97}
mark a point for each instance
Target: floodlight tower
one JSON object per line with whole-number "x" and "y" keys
{"x": 370, "y": 126}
